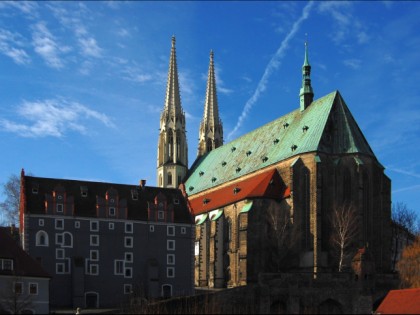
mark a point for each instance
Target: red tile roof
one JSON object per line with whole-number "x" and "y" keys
{"x": 405, "y": 301}
{"x": 263, "y": 185}
{"x": 23, "y": 264}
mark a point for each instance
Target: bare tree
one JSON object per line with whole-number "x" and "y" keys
{"x": 403, "y": 229}
{"x": 10, "y": 206}
{"x": 13, "y": 298}
{"x": 409, "y": 265}
{"x": 282, "y": 234}
{"x": 344, "y": 231}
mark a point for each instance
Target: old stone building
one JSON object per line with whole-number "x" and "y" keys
{"x": 264, "y": 202}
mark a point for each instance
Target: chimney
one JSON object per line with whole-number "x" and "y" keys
{"x": 142, "y": 183}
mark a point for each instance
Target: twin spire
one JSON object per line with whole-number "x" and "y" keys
{"x": 172, "y": 159}
{"x": 211, "y": 128}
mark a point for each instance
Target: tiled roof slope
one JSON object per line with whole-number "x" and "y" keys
{"x": 86, "y": 206}
{"x": 293, "y": 134}
{"x": 23, "y": 264}
{"x": 405, "y": 301}
{"x": 267, "y": 184}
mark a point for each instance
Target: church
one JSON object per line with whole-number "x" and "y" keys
{"x": 265, "y": 201}
{"x": 261, "y": 204}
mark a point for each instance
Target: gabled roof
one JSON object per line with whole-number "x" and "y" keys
{"x": 23, "y": 264}
{"x": 405, "y": 301}
{"x": 290, "y": 135}
{"x": 263, "y": 185}
{"x": 137, "y": 209}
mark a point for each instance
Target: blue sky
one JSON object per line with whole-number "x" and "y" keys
{"x": 82, "y": 84}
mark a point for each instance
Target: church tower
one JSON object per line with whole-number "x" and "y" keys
{"x": 211, "y": 129}
{"x": 172, "y": 155}
{"x": 306, "y": 93}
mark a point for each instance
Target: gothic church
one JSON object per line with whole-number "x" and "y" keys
{"x": 264, "y": 202}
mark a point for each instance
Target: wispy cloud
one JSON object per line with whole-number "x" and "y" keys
{"x": 414, "y": 187}
{"x": 272, "y": 65}
{"x": 47, "y": 46}
{"x": 345, "y": 23}
{"x": 11, "y": 45}
{"x": 88, "y": 45}
{"x": 30, "y": 8}
{"x": 353, "y": 63}
{"x": 53, "y": 117}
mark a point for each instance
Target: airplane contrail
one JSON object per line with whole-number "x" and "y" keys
{"x": 272, "y": 65}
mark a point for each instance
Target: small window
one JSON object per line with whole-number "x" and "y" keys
{"x": 127, "y": 289}
{"x": 176, "y": 201}
{"x": 94, "y": 269}
{"x": 6, "y": 264}
{"x": 67, "y": 239}
{"x": 128, "y": 272}
{"x": 94, "y": 240}
{"x": 134, "y": 194}
{"x": 41, "y": 222}
{"x": 59, "y": 239}
{"x": 170, "y": 245}
{"x": 41, "y": 238}
{"x": 129, "y": 228}
{"x": 83, "y": 191}
{"x": 59, "y": 253}
{"x": 18, "y": 288}
{"x": 183, "y": 230}
{"x": 151, "y": 228}
{"x": 118, "y": 267}
{"x": 59, "y": 224}
{"x": 33, "y": 288}
{"x": 59, "y": 197}
{"x": 170, "y": 259}
{"x": 111, "y": 225}
{"x": 111, "y": 211}
{"x": 128, "y": 257}
{"x": 35, "y": 190}
{"x": 170, "y": 272}
{"x": 59, "y": 268}
{"x": 161, "y": 215}
{"x": 77, "y": 224}
{"x": 170, "y": 230}
{"x": 94, "y": 226}
{"x": 94, "y": 255}
{"x": 128, "y": 241}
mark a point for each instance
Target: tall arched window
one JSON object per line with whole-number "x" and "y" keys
{"x": 367, "y": 215}
{"x": 209, "y": 146}
{"x": 169, "y": 178}
{"x": 346, "y": 186}
{"x": 306, "y": 208}
{"x": 170, "y": 144}
{"x": 67, "y": 239}
{"x": 41, "y": 238}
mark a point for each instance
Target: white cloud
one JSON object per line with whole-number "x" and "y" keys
{"x": 46, "y": 45}
{"x": 53, "y": 117}
{"x": 353, "y": 63}
{"x": 11, "y": 45}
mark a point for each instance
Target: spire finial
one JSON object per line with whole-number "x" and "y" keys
{"x": 173, "y": 40}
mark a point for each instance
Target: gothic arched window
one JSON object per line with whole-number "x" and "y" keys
{"x": 41, "y": 238}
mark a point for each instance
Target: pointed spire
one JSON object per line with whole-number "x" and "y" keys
{"x": 211, "y": 129}
{"x": 173, "y": 98}
{"x": 172, "y": 157}
{"x": 306, "y": 93}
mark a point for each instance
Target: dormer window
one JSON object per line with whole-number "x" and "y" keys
{"x": 134, "y": 194}
{"x": 201, "y": 173}
{"x": 6, "y": 264}
{"x": 238, "y": 169}
{"x": 248, "y": 153}
{"x": 275, "y": 141}
{"x": 112, "y": 211}
{"x": 83, "y": 191}
{"x": 223, "y": 163}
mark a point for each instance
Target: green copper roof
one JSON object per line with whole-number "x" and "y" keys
{"x": 290, "y": 135}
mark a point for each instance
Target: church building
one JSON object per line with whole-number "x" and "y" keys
{"x": 265, "y": 201}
